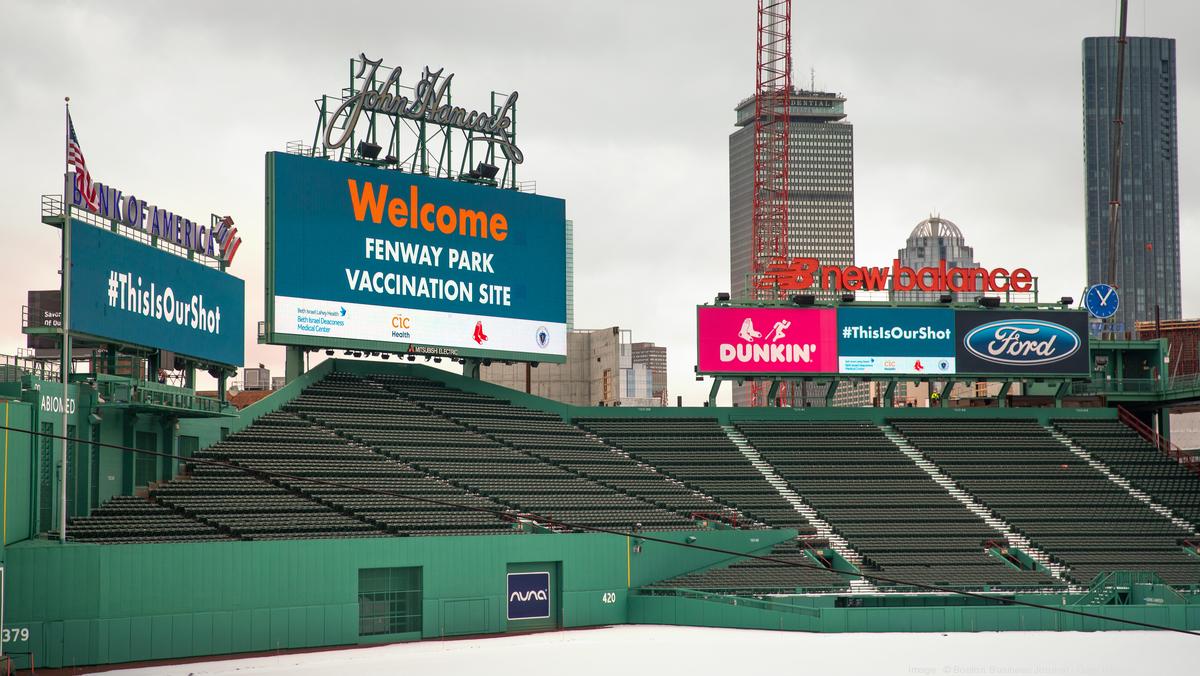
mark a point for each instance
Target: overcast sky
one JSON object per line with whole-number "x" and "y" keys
{"x": 967, "y": 109}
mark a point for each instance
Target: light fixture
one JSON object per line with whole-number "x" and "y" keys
{"x": 1066, "y": 301}
{"x": 847, "y": 298}
{"x": 369, "y": 150}
{"x": 723, "y": 297}
{"x": 386, "y": 355}
{"x": 988, "y": 301}
{"x": 328, "y": 353}
{"x": 485, "y": 171}
{"x": 945, "y": 298}
{"x": 804, "y": 299}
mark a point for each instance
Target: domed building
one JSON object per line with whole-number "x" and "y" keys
{"x": 934, "y": 240}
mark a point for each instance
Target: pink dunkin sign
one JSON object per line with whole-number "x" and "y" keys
{"x": 767, "y": 340}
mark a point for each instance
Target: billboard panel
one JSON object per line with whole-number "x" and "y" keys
{"x": 746, "y": 340}
{"x": 388, "y": 260}
{"x": 528, "y": 596}
{"x": 916, "y": 341}
{"x": 1022, "y": 342}
{"x": 128, "y": 292}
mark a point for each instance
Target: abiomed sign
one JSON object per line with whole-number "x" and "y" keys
{"x": 385, "y": 260}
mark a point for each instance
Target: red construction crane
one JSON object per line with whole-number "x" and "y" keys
{"x": 772, "y": 97}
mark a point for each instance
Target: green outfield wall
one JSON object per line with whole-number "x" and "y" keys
{"x": 81, "y": 604}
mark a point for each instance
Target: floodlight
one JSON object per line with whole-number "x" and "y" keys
{"x": 369, "y": 150}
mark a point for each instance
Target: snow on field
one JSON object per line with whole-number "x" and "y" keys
{"x": 692, "y": 651}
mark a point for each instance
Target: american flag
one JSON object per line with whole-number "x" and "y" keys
{"x": 83, "y": 178}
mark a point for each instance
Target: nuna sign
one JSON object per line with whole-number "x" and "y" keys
{"x": 529, "y": 595}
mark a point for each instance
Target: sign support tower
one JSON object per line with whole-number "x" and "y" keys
{"x": 66, "y": 334}
{"x": 772, "y": 94}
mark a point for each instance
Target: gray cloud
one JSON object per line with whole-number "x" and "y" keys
{"x": 967, "y": 108}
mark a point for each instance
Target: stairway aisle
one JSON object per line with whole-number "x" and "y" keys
{"x": 824, "y": 529}
{"x": 977, "y": 508}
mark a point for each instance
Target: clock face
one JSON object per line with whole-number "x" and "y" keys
{"x": 1102, "y": 301}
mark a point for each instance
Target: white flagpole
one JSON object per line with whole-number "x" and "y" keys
{"x": 66, "y": 329}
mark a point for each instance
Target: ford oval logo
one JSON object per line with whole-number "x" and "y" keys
{"x": 1023, "y": 342}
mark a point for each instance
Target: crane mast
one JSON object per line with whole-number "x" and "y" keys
{"x": 772, "y": 99}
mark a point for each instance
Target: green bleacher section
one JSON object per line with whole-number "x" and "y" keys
{"x": 546, "y": 437}
{"x": 390, "y": 453}
{"x": 697, "y": 453}
{"x": 1064, "y": 506}
{"x": 1130, "y": 455}
{"x": 904, "y": 524}
{"x": 525, "y": 477}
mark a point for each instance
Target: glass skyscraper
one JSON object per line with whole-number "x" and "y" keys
{"x": 1147, "y": 270}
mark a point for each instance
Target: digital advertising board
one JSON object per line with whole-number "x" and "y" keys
{"x": 746, "y": 340}
{"x": 926, "y": 343}
{"x": 914, "y": 341}
{"x": 125, "y": 291}
{"x": 1022, "y": 342}
{"x": 384, "y": 260}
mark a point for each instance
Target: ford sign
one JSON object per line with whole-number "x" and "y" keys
{"x": 1022, "y": 342}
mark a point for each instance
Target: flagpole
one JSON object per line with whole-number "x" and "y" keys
{"x": 66, "y": 324}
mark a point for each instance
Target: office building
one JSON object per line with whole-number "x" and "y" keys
{"x": 934, "y": 240}
{"x": 599, "y": 371}
{"x": 653, "y": 357}
{"x": 820, "y": 202}
{"x": 1147, "y": 267}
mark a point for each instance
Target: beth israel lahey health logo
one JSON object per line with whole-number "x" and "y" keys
{"x": 1022, "y": 342}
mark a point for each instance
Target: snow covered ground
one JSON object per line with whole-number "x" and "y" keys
{"x": 692, "y": 651}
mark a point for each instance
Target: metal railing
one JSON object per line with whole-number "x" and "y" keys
{"x": 1165, "y": 445}
{"x": 53, "y": 206}
{"x": 14, "y": 368}
{"x": 733, "y": 600}
{"x": 1174, "y": 384}
{"x": 152, "y": 394}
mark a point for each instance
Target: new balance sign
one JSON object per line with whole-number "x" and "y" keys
{"x": 528, "y": 596}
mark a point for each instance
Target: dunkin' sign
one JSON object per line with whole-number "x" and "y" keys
{"x": 741, "y": 340}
